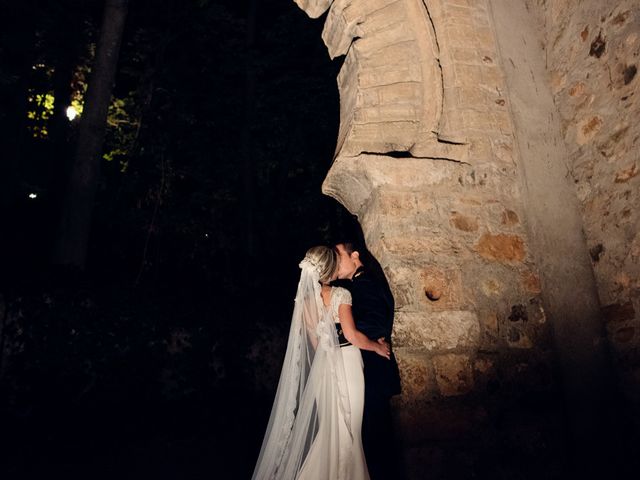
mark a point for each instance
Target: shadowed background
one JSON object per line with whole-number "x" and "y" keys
{"x": 159, "y": 358}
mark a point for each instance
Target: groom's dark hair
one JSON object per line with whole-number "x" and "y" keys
{"x": 350, "y": 246}
{"x": 353, "y": 245}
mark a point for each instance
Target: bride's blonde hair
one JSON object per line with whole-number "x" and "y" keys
{"x": 326, "y": 261}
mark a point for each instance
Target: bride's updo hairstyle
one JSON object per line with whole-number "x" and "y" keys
{"x": 325, "y": 260}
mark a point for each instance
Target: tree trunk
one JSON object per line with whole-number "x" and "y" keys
{"x": 75, "y": 223}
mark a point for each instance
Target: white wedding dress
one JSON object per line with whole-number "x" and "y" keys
{"x": 314, "y": 431}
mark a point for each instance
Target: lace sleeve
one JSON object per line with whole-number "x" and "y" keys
{"x": 342, "y": 296}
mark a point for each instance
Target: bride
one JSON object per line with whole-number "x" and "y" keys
{"x": 314, "y": 428}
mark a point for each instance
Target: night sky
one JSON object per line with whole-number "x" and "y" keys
{"x": 159, "y": 357}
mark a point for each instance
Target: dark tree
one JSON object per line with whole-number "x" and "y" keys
{"x": 75, "y": 224}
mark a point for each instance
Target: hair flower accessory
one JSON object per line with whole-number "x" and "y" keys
{"x": 310, "y": 264}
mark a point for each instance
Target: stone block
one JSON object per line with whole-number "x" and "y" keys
{"x": 394, "y": 203}
{"x": 388, "y": 75}
{"x": 536, "y": 310}
{"x": 501, "y": 247}
{"x": 453, "y": 374}
{"x": 416, "y": 376}
{"x": 503, "y": 151}
{"x": 466, "y": 55}
{"x": 618, "y": 312}
{"x": 426, "y": 203}
{"x": 531, "y": 282}
{"x": 489, "y": 322}
{"x": 457, "y": 3}
{"x": 425, "y": 246}
{"x": 483, "y": 365}
{"x": 382, "y": 114}
{"x": 480, "y": 149}
{"x": 493, "y": 78}
{"x": 403, "y": 286}
{"x": 397, "y": 93}
{"x": 624, "y": 335}
{"x": 484, "y": 37}
{"x": 455, "y": 15}
{"x": 624, "y": 175}
{"x": 467, "y": 75}
{"x": 473, "y": 97}
{"x": 463, "y": 222}
{"x": 481, "y": 19}
{"x": 509, "y": 218}
{"x": 437, "y": 331}
{"x": 478, "y": 120}
{"x": 502, "y": 121}
{"x": 372, "y": 53}
{"x": 410, "y": 173}
{"x": 517, "y": 338}
{"x": 442, "y": 289}
{"x": 491, "y": 287}
{"x": 490, "y": 336}
{"x": 588, "y": 128}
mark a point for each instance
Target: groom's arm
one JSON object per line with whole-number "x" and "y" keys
{"x": 371, "y": 311}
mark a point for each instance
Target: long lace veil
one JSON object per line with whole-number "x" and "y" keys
{"x": 312, "y": 388}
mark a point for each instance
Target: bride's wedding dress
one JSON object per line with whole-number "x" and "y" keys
{"x": 314, "y": 428}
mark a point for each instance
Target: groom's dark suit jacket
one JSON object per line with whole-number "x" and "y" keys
{"x": 373, "y": 307}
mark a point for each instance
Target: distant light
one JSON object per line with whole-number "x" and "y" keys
{"x": 71, "y": 113}
{"x": 206, "y": 235}
{"x": 33, "y": 195}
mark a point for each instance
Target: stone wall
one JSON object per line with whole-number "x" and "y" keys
{"x": 451, "y": 155}
{"x": 593, "y": 53}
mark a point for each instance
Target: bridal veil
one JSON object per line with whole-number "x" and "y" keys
{"x": 312, "y": 389}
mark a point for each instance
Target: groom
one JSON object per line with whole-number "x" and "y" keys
{"x": 373, "y": 307}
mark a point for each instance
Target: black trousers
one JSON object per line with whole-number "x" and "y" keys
{"x": 380, "y": 447}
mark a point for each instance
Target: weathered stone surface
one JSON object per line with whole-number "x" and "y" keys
{"x": 623, "y": 176}
{"x": 483, "y": 365}
{"x": 517, "y": 338}
{"x": 531, "y": 282}
{"x": 402, "y": 281}
{"x": 437, "y": 244}
{"x": 442, "y": 289}
{"x": 352, "y": 181}
{"x": 619, "y": 313}
{"x": 314, "y": 8}
{"x": 453, "y": 374}
{"x": 393, "y": 202}
{"x": 595, "y": 49}
{"x": 490, "y": 322}
{"x": 437, "y": 330}
{"x": 463, "y": 222}
{"x": 415, "y": 375}
{"x": 509, "y": 217}
{"x": 587, "y": 129}
{"x": 491, "y": 287}
{"x": 624, "y": 335}
{"x": 501, "y": 247}
{"x": 417, "y": 73}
